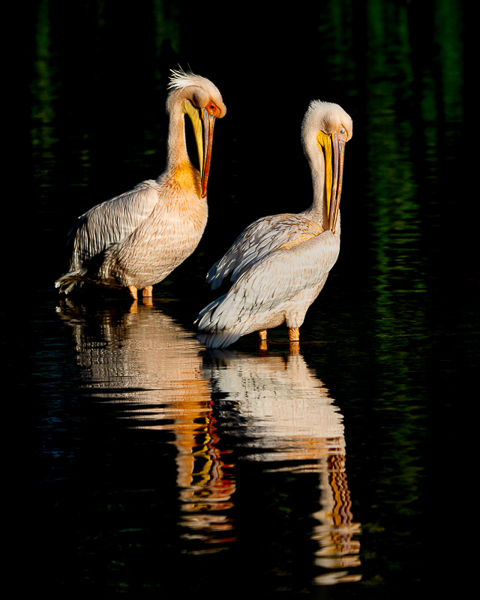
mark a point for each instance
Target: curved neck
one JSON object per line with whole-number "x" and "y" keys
{"x": 318, "y": 209}
{"x": 179, "y": 171}
{"x": 176, "y": 144}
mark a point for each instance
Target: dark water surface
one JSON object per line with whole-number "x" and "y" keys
{"x": 163, "y": 469}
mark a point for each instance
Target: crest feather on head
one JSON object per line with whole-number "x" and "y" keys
{"x": 179, "y": 79}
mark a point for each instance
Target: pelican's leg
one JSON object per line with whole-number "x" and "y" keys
{"x": 294, "y": 334}
{"x": 294, "y": 339}
{"x": 133, "y": 292}
{"x": 263, "y": 339}
{"x": 147, "y": 295}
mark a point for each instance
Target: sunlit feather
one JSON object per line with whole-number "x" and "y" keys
{"x": 279, "y": 264}
{"x": 136, "y": 239}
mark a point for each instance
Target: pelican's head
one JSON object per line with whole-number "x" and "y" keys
{"x": 326, "y": 129}
{"x": 201, "y": 100}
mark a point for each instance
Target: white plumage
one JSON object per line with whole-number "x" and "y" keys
{"x": 279, "y": 264}
{"x": 135, "y": 240}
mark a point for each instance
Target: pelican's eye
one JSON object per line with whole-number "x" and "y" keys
{"x": 342, "y": 130}
{"x": 213, "y": 109}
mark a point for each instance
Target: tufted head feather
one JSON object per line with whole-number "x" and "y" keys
{"x": 181, "y": 80}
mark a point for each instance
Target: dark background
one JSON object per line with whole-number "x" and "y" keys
{"x": 397, "y": 321}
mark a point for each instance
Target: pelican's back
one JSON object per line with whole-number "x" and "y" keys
{"x": 102, "y": 227}
{"x": 257, "y": 241}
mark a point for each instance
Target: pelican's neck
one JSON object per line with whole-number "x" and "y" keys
{"x": 179, "y": 169}
{"x": 176, "y": 145}
{"x": 318, "y": 210}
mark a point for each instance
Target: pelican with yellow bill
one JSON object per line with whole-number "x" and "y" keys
{"x": 136, "y": 239}
{"x": 279, "y": 264}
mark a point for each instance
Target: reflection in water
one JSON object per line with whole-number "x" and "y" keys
{"x": 292, "y": 422}
{"x": 281, "y": 414}
{"x": 143, "y": 358}
{"x": 406, "y": 343}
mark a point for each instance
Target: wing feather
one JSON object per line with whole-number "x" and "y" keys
{"x": 110, "y": 222}
{"x": 261, "y": 238}
{"x": 270, "y": 281}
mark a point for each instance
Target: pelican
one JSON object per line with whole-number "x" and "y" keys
{"x": 136, "y": 239}
{"x": 280, "y": 263}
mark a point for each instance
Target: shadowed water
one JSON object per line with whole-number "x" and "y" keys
{"x": 330, "y": 472}
{"x": 278, "y": 412}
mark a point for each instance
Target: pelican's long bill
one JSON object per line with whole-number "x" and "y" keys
{"x": 203, "y": 122}
{"x": 333, "y": 149}
{"x": 208, "y": 125}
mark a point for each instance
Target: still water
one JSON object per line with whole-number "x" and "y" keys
{"x": 332, "y": 472}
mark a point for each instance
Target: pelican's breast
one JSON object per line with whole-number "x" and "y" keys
{"x": 305, "y": 232}
{"x": 184, "y": 178}
{"x": 169, "y": 235}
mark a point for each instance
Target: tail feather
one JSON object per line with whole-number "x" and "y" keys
{"x": 70, "y": 280}
{"x": 206, "y": 317}
{"x": 218, "y": 339}
{"x": 208, "y": 333}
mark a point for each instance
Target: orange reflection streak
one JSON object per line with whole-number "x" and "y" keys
{"x": 205, "y": 487}
{"x": 155, "y": 367}
{"x": 149, "y": 362}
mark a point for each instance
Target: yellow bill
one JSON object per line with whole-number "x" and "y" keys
{"x": 203, "y": 123}
{"x": 333, "y": 150}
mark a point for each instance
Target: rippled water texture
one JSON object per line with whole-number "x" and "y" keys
{"x": 276, "y": 410}
{"x": 163, "y": 469}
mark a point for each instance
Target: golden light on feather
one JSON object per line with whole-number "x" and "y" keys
{"x": 280, "y": 263}
{"x": 135, "y": 240}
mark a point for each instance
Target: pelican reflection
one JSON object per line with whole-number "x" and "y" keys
{"x": 277, "y": 409}
{"x": 147, "y": 361}
{"x": 291, "y": 422}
